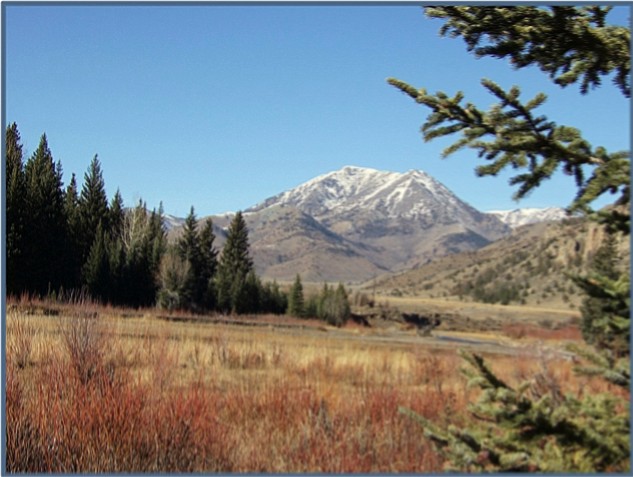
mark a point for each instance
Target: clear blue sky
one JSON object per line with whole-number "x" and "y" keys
{"x": 221, "y": 107}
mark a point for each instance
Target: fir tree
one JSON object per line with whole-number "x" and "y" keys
{"x": 234, "y": 266}
{"x": 96, "y": 270}
{"x": 295, "y": 298}
{"x": 343, "y": 309}
{"x": 157, "y": 237}
{"x": 248, "y": 299}
{"x": 192, "y": 289}
{"x": 533, "y": 427}
{"x": 209, "y": 265}
{"x": 45, "y": 222}
{"x": 117, "y": 215}
{"x": 594, "y": 310}
{"x": 15, "y": 212}
{"x": 93, "y": 206}
{"x": 73, "y": 244}
{"x": 273, "y": 300}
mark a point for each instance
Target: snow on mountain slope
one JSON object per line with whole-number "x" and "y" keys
{"x": 518, "y": 217}
{"x": 401, "y": 218}
{"x": 352, "y": 189}
{"x": 172, "y": 222}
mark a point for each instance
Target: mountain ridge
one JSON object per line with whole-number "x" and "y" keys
{"x": 355, "y": 223}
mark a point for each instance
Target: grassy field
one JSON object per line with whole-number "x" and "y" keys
{"x": 96, "y": 389}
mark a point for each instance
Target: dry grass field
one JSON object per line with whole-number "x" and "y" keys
{"x": 96, "y": 389}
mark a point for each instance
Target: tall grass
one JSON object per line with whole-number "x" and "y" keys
{"x": 106, "y": 394}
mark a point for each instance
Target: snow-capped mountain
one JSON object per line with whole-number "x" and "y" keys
{"x": 398, "y": 219}
{"x": 172, "y": 222}
{"x": 518, "y": 217}
{"x": 381, "y": 195}
{"x": 388, "y": 194}
{"x": 356, "y": 223}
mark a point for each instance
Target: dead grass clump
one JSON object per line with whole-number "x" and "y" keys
{"x": 244, "y": 355}
{"x": 521, "y": 331}
{"x": 84, "y": 339}
{"x": 20, "y": 454}
{"x": 21, "y": 334}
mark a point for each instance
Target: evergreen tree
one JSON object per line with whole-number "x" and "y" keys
{"x": 93, "y": 207}
{"x": 117, "y": 215}
{"x": 295, "y": 298}
{"x": 532, "y": 427}
{"x": 209, "y": 262}
{"x": 193, "y": 262}
{"x": 15, "y": 212}
{"x": 248, "y": 298}
{"x": 234, "y": 266}
{"x": 45, "y": 221}
{"x": 96, "y": 270}
{"x": 192, "y": 290}
{"x": 273, "y": 300}
{"x": 73, "y": 244}
{"x": 595, "y": 329}
{"x": 157, "y": 236}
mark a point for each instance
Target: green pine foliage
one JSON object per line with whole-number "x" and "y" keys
{"x": 234, "y": 266}
{"x": 510, "y": 134}
{"x": 15, "y": 211}
{"x": 603, "y": 323}
{"x": 192, "y": 278}
{"x": 197, "y": 257}
{"x": 44, "y": 221}
{"x": 209, "y": 259}
{"x": 296, "y": 305}
{"x": 65, "y": 240}
{"x": 535, "y": 426}
{"x": 73, "y": 222}
{"x": 272, "y": 299}
{"x": 191, "y": 289}
{"x": 116, "y": 215}
{"x": 96, "y": 270}
{"x": 93, "y": 207}
{"x": 587, "y": 50}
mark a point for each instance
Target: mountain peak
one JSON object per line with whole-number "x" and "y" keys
{"x": 518, "y": 217}
{"x": 353, "y": 188}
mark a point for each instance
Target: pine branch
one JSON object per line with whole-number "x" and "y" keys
{"x": 570, "y": 44}
{"x": 510, "y": 135}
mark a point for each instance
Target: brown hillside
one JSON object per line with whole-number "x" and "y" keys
{"x": 532, "y": 266}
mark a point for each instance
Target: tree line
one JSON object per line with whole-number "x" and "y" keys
{"x": 62, "y": 240}
{"x": 330, "y": 305}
